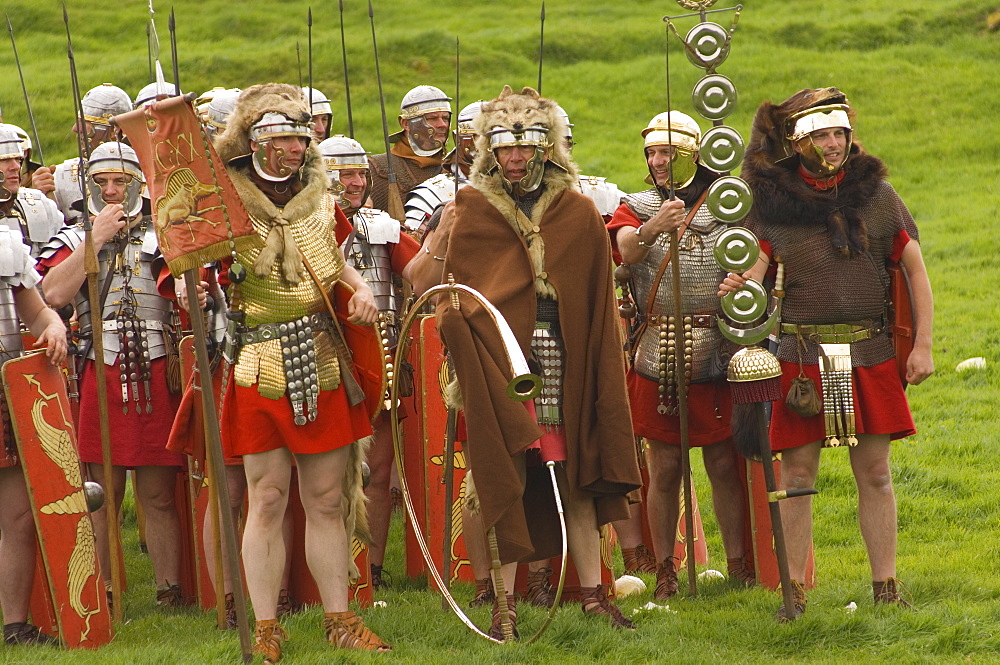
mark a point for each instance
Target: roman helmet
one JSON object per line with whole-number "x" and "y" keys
{"x": 100, "y": 104}
{"x": 416, "y": 104}
{"x": 681, "y": 131}
{"x": 27, "y": 165}
{"x": 802, "y": 124}
{"x": 150, "y": 92}
{"x": 569, "y": 127}
{"x": 521, "y": 119}
{"x": 272, "y": 125}
{"x": 10, "y": 148}
{"x": 320, "y": 106}
{"x": 203, "y": 100}
{"x": 115, "y": 157}
{"x": 219, "y": 109}
{"x": 465, "y": 137}
{"x": 339, "y": 153}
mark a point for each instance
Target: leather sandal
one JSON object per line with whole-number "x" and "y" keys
{"x": 740, "y": 572}
{"x": 345, "y": 630}
{"x": 666, "y": 579}
{"x": 484, "y": 593}
{"x": 595, "y": 601}
{"x": 378, "y": 576}
{"x": 22, "y": 632}
{"x": 267, "y": 639}
{"x": 170, "y": 596}
{"x": 496, "y": 625}
{"x": 798, "y": 600}
{"x": 540, "y": 592}
{"x": 638, "y": 559}
{"x": 286, "y": 605}
{"x": 888, "y": 593}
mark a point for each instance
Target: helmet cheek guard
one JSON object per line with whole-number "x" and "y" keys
{"x": 422, "y": 138}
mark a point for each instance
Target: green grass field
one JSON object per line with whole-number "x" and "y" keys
{"x": 922, "y": 75}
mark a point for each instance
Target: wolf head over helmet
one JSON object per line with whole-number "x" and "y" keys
{"x": 264, "y": 112}
{"x": 521, "y": 119}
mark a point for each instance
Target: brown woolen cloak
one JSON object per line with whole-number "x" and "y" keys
{"x": 486, "y": 253}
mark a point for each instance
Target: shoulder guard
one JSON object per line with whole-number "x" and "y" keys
{"x": 68, "y": 192}
{"x": 427, "y": 197}
{"x": 605, "y": 195}
{"x": 17, "y": 268}
{"x": 644, "y": 204}
{"x": 376, "y": 226}
{"x": 67, "y": 236}
{"x": 42, "y": 215}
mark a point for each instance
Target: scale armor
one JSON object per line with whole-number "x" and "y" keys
{"x": 271, "y": 300}
{"x": 605, "y": 195}
{"x": 428, "y": 196}
{"x": 369, "y": 255}
{"x": 35, "y": 219}
{"x": 700, "y": 277}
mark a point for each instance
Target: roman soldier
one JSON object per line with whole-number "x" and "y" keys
{"x": 322, "y": 113}
{"x": 418, "y": 148}
{"x": 23, "y": 210}
{"x": 536, "y": 248}
{"x": 137, "y": 325}
{"x": 825, "y": 211}
{"x": 100, "y": 104}
{"x": 605, "y": 195}
{"x": 151, "y": 91}
{"x": 293, "y": 394}
{"x": 664, "y": 335}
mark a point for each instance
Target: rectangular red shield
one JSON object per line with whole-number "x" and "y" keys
{"x": 195, "y": 206}
{"x": 42, "y": 421}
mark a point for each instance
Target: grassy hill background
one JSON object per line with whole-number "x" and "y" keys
{"x": 922, "y": 75}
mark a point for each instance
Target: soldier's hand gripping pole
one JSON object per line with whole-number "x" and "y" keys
{"x": 395, "y": 199}
{"x": 92, "y": 271}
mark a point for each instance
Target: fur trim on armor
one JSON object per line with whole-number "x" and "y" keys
{"x": 781, "y": 196}
{"x": 251, "y": 105}
{"x": 516, "y": 110}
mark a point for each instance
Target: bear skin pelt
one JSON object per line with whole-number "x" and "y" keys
{"x": 781, "y": 196}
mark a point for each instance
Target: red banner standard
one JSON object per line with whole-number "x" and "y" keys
{"x": 42, "y": 423}
{"x": 196, "y": 210}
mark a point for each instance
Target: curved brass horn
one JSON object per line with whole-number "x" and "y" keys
{"x": 522, "y": 387}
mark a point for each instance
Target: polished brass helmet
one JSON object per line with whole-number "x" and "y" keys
{"x": 681, "y": 131}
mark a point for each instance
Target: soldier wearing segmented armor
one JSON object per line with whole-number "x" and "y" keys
{"x": 605, "y": 195}
{"x": 100, "y": 104}
{"x": 23, "y": 210}
{"x": 424, "y": 202}
{"x": 381, "y": 253}
{"x": 322, "y": 113}
{"x": 824, "y": 210}
{"x": 137, "y": 321}
{"x": 640, "y": 231}
{"x": 291, "y": 394}
{"x": 418, "y": 148}
{"x": 19, "y": 302}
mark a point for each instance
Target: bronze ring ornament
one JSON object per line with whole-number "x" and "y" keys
{"x": 729, "y": 199}
{"x": 721, "y": 149}
{"x": 736, "y": 249}
{"x": 708, "y": 45}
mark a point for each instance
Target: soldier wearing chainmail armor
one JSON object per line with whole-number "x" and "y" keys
{"x": 418, "y": 148}
{"x": 671, "y": 346}
{"x": 137, "y": 324}
{"x": 826, "y": 212}
{"x": 537, "y": 249}
{"x": 292, "y": 391}
{"x": 381, "y": 253}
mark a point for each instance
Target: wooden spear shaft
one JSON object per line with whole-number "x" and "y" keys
{"x": 217, "y": 465}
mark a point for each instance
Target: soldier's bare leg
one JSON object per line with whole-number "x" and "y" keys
{"x": 729, "y": 500}
{"x": 268, "y": 475}
{"x": 876, "y": 503}
{"x": 327, "y": 542}
{"x": 237, "y": 481}
{"x": 663, "y": 498}
{"x": 380, "y": 458}
{"x": 155, "y": 488}
{"x": 17, "y": 546}
{"x": 99, "y": 517}
{"x": 582, "y": 534}
{"x": 799, "y": 467}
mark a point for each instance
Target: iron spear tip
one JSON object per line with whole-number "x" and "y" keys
{"x": 543, "y": 11}
{"x": 371, "y": 12}
{"x": 170, "y": 21}
{"x": 341, "y": 6}
{"x": 9, "y": 26}
{"x": 310, "y": 16}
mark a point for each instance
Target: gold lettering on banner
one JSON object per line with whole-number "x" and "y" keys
{"x": 179, "y": 151}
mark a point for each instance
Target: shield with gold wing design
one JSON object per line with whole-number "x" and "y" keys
{"x": 46, "y": 440}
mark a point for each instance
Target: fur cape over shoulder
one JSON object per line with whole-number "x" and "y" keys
{"x": 781, "y": 196}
